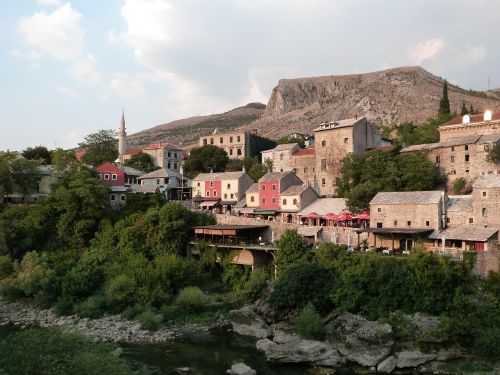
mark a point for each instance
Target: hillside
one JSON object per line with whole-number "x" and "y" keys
{"x": 299, "y": 105}
{"x": 385, "y": 97}
{"x": 187, "y": 131}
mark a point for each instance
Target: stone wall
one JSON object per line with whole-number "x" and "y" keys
{"x": 487, "y": 261}
{"x": 304, "y": 165}
{"x": 398, "y": 215}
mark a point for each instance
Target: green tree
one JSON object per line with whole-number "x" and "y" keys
{"x": 100, "y": 147}
{"x": 300, "y": 139}
{"x": 62, "y": 159}
{"x": 493, "y": 153}
{"x": 292, "y": 248}
{"x": 459, "y": 185}
{"x": 5, "y": 178}
{"x": 142, "y": 162}
{"x": 472, "y": 111}
{"x": 38, "y": 153}
{"x": 444, "y": 103}
{"x": 24, "y": 174}
{"x": 206, "y": 158}
{"x": 257, "y": 171}
{"x": 238, "y": 164}
{"x": 464, "y": 110}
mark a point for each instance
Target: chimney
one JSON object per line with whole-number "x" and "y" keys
{"x": 487, "y": 116}
{"x": 466, "y": 119}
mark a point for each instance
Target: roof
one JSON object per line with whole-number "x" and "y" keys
{"x": 143, "y": 188}
{"x": 45, "y": 169}
{"x": 270, "y": 176}
{"x": 132, "y": 171}
{"x": 408, "y": 197}
{"x": 305, "y": 152}
{"x": 489, "y": 138}
{"x": 459, "y": 203}
{"x": 108, "y": 167}
{"x": 295, "y": 190}
{"x": 231, "y": 227}
{"x": 395, "y": 230}
{"x": 458, "y": 141}
{"x": 323, "y": 206}
{"x": 80, "y": 154}
{"x": 338, "y": 124}
{"x": 283, "y": 147}
{"x": 118, "y": 189}
{"x": 466, "y": 233}
{"x": 219, "y": 176}
{"x": 160, "y": 173}
{"x": 307, "y": 231}
{"x": 473, "y": 119}
{"x": 487, "y": 182}
{"x": 133, "y": 151}
{"x": 254, "y": 188}
{"x": 162, "y": 145}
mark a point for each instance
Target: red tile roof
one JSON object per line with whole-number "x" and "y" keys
{"x": 474, "y": 118}
{"x": 160, "y": 145}
{"x": 133, "y": 151}
{"x": 80, "y": 154}
{"x": 304, "y": 152}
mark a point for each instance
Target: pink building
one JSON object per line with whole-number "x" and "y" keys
{"x": 110, "y": 174}
{"x": 271, "y": 185}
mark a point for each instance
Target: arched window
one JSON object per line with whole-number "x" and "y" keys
{"x": 284, "y": 202}
{"x": 295, "y": 202}
{"x": 274, "y": 187}
{"x": 274, "y": 200}
{"x": 485, "y": 212}
{"x": 252, "y": 199}
{"x": 281, "y": 156}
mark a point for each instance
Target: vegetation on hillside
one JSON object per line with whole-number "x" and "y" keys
{"x": 100, "y": 147}
{"x": 142, "y": 162}
{"x": 205, "y": 159}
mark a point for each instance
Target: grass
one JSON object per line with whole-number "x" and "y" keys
{"x": 466, "y": 367}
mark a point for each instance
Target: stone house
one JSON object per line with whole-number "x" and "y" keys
{"x": 112, "y": 175}
{"x": 271, "y": 186}
{"x": 164, "y": 155}
{"x": 304, "y": 166}
{"x": 487, "y": 123}
{"x": 280, "y": 157}
{"x": 335, "y": 140}
{"x": 295, "y": 199}
{"x": 238, "y": 145}
{"x": 224, "y": 189}
{"x": 169, "y": 182}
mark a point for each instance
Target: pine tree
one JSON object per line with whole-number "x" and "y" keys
{"x": 464, "y": 110}
{"x": 444, "y": 104}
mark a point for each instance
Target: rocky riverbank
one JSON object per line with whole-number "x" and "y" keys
{"x": 111, "y": 328}
{"x": 353, "y": 339}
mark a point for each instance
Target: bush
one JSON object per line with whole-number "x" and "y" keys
{"x": 303, "y": 284}
{"x": 256, "y": 286}
{"x": 6, "y": 266}
{"x": 93, "y": 307}
{"x": 309, "y": 325}
{"x": 131, "y": 312}
{"x": 120, "y": 292}
{"x": 486, "y": 344}
{"x": 192, "y": 299}
{"x": 10, "y": 290}
{"x": 149, "y": 320}
{"x": 171, "y": 313}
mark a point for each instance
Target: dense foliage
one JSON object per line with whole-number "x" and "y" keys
{"x": 493, "y": 153}
{"x": 444, "y": 103}
{"x": 299, "y": 138}
{"x": 364, "y": 175}
{"x": 206, "y": 158}
{"x": 142, "y": 162}
{"x": 252, "y": 166}
{"x": 292, "y": 250}
{"x": 38, "y": 153}
{"x": 409, "y": 133}
{"x": 100, "y": 147}
{"x": 309, "y": 324}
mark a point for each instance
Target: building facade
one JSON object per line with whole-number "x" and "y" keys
{"x": 271, "y": 185}
{"x": 280, "y": 157}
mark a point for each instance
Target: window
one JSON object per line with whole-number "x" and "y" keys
{"x": 453, "y": 172}
{"x": 169, "y": 165}
{"x": 238, "y": 151}
{"x": 295, "y": 202}
{"x": 485, "y": 212}
{"x": 471, "y": 220}
{"x": 198, "y": 184}
{"x": 231, "y": 151}
{"x": 215, "y": 193}
{"x": 263, "y": 200}
{"x": 175, "y": 165}
{"x": 229, "y": 186}
{"x": 122, "y": 197}
{"x": 427, "y": 223}
{"x": 438, "y": 159}
{"x": 232, "y": 196}
{"x": 157, "y": 181}
{"x": 452, "y": 148}
{"x": 448, "y": 220}
{"x": 395, "y": 223}
{"x": 281, "y": 170}
{"x": 273, "y": 187}
{"x": 379, "y": 225}
{"x": 379, "y": 209}
{"x": 175, "y": 155}
{"x": 211, "y": 141}
{"x": 305, "y": 169}
{"x": 323, "y": 143}
{"x": 452, "y": 158}
{"x": 211, "y": 184}
{"x": 323, "y": 182}
{"x": 281, "y": 156}
{"x": 263, "y": 188}
{"x": 238, "y": 138}
{"x": 169, "y": 154}
{"x": 225, "y": 196}
{"x": 230, "y": 139}
{"x": 112, "y": 197}
{"x": 273, "y": 200}
{"x": 408, "y": 223}
{"x": 346, "y": 140}
{"x": 208, "y": 193}
{"x": 284, "y": 202}
{"x": 221, "y": 139}
{"x": 466, "y": 171}
{"x": 204, "y": 142}
{"x": 466, "y": 147}
{"x": 466, "y": 158}
{"x": 114, "y": 177}
{"x": 106, "y": 176}
{"x": 323, "y": 164}
{"x": 484, "y": 194}
{"x": 252, "y": 199}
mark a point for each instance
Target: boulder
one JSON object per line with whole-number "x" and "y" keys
{"x": 241, "y": 369}
{"x": 300, "y": 351}
{"x": 387, "y": 365}
{"x": 265, "y": 310}
{"x": 360, "y": 340}
{"x": 246, "y": 322}
{"x": 284, "y": 333}
{"x": 414, "y": 358}
{"x": 221, "y": 324}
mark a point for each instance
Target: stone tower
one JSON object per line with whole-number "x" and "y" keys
{"x": 122, "y": 140}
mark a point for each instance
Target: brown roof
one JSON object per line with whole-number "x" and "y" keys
{"x": 161, "y": 145}
{"x": 273, "y": 176}
{"x": 133, "y": 151}
{"x": 495, "y": 116}
{"x": 219, "y": 176}
{"x": 296, "y": 190}
{"x": 254, "y": 188}
{"x": 160, "y": 173}
{"x": 338, "y": 124}
{"x": 459, "y": 203}
{"x": 486, "y": 182}
{"x": 466, "y": 233}
{"x": 304, "y": 152}
{"x": 283, "y": 147}
{"x": 458, "y": 141}
{"x": 408, "y": 197}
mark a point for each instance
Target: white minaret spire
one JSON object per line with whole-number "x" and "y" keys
{"x": 122, "y": 141}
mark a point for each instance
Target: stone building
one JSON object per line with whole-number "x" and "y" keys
{"x": 238, "y": 144}
{"x": 334, "y": 140}
{"x": 271, "y": 186}
{"x": 487, "y": 123}
{"x": 295, "y": 199}
{"x": 280, "y": 157}
{"x": 304, "y": 166}
{"x": 174, "y": 185}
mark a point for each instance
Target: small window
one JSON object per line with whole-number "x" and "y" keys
{"x": 305, "y": 169}
{"x": 273, "y": 200}
{"x": 408, "y": 223}
{"x": 466, "y": 147}
{"x": 484, "y": 194}
{"x": 106, "y": 176}
{"x": 112, "y": 197}
{"x": 215, "y": 193}
{"x": 323, "y": 143}
{"x": 175, "y": 165}
{"x": 252, "y": 199}
{"x": 238, "y": 151}
{"x": 471, "y": 220}
{"x": 230, "y": 151}
{"x": 169, "y": 154}
{"x": 238, "y": 139}
{"x": 122, "y": 197}
{"x": 438, "y": 159}
{"x": 263, "y": 188}
{"x": 211, "y": 184}
{"x": 452, "y": 148}
{"x": 204, "y": 142}
{"x": 452, "y": 158}
{"x": 448, "y": 220}
{"x": 211, "y": 141}
{"x": 427, "y": 223}
{"x": 157, "y": 181}
{"x": 273, "y": 187}
{"x": 395, "y": 223}
{"x": 169, "y": 165}
{"x": 284, "y": 202}
{"x": 229, "y": 186}
{"x": 221, "y": 139}
{"x": 230, "y": 139}
{"x": 208, "y": 193}
{"x": 466, "y": 171}
{"x": 467, "y": 158}
{"x": 485, "y": 212}
{"x": 114, "y": 177}
{"x": 263, "y": 200}
{"x": 379, "y": 209}
{"x": 175, "y": 155}
{"x": 346, "y": 140}
{"x": 225, "y": 196}
{"x": 198, "y": 184}
{"x": 379, "y": 225}
{"x": 295, "y": 202}
{"x": 232, "y": 196}
{"x": 323, "y": 182}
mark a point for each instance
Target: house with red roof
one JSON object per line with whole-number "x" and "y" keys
{"x": 164, "y": 155}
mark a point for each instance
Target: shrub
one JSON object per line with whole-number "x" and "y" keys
{"x": 192, "y": 299}
{"x": 303, "y": 284}
{"x": 93, "y": 307}
{"x": 10, "y": 290}
{"x": 256, "y": 286}
{"x": 486, "y": 345}
{"x": 6, "y": 266}
{"x": 131, "y": 312}
{"x": 120, "y": 292}
{"x": 171, "y": 313}
{"x": 309, "y": 325}
{"x": 149, "y": 320}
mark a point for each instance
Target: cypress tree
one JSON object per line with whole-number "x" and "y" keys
{"x": 471, "y": 110}
{"x": 464, "y": 110}
{"x": 444, "y": 104}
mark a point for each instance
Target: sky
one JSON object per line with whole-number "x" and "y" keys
{"x": 69, "y": 68}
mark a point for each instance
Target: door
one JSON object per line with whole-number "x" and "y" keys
{"x": 479, "y": 246}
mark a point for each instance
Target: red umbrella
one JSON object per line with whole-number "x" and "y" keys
{"x": 312, "y": 215}
{"x": 362, "y": 216}
{"x": 330, "y": 216}
{"x": 344, "y": 216}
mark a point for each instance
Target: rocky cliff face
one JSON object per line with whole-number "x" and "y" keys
{"x": 386, "y": 97}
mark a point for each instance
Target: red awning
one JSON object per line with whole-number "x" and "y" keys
{"x": 344, "y": 216}
{"x": 312, "y": 215}
{"x": 330, "y": 216}
{"x": 208, "y": 203}
{"x": 362, "y": 216}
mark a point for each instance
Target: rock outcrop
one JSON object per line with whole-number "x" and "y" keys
{"x": 241, "y": 369}
{"x": 415, "y": 358}
{"x": 246, "y": 322}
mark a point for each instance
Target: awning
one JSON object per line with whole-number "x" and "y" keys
{"x": 264, "y": 212}
{"x": 208, "y": 203}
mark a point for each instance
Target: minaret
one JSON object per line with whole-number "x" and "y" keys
{"x": 122, "y": 141}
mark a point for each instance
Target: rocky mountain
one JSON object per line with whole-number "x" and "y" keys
{"x": 186, "y": 132}
{"x": 387, "y": 97}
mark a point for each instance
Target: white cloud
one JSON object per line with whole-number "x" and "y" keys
{"x": 255, "y": 93}
{"x": 426, "y": 50}
{"x": 65, "y": 90}
{"x": 49, "y": 2}
{"x": 85, "y": 71}
{"x": 57, "y": 34}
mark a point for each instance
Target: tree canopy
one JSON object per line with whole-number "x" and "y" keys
{"x": 409, "y": 133}
{"x": 38, "y": 153}
{"x": 100, "y": 147}
{"x": 205, "y": 158}
{"x": 444, "y": 103}
{"x": 24, "y": 175}
{"x": 300, "y": 139}
{"x": 292, "y": 250}
{"x": 142, "y": 162}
